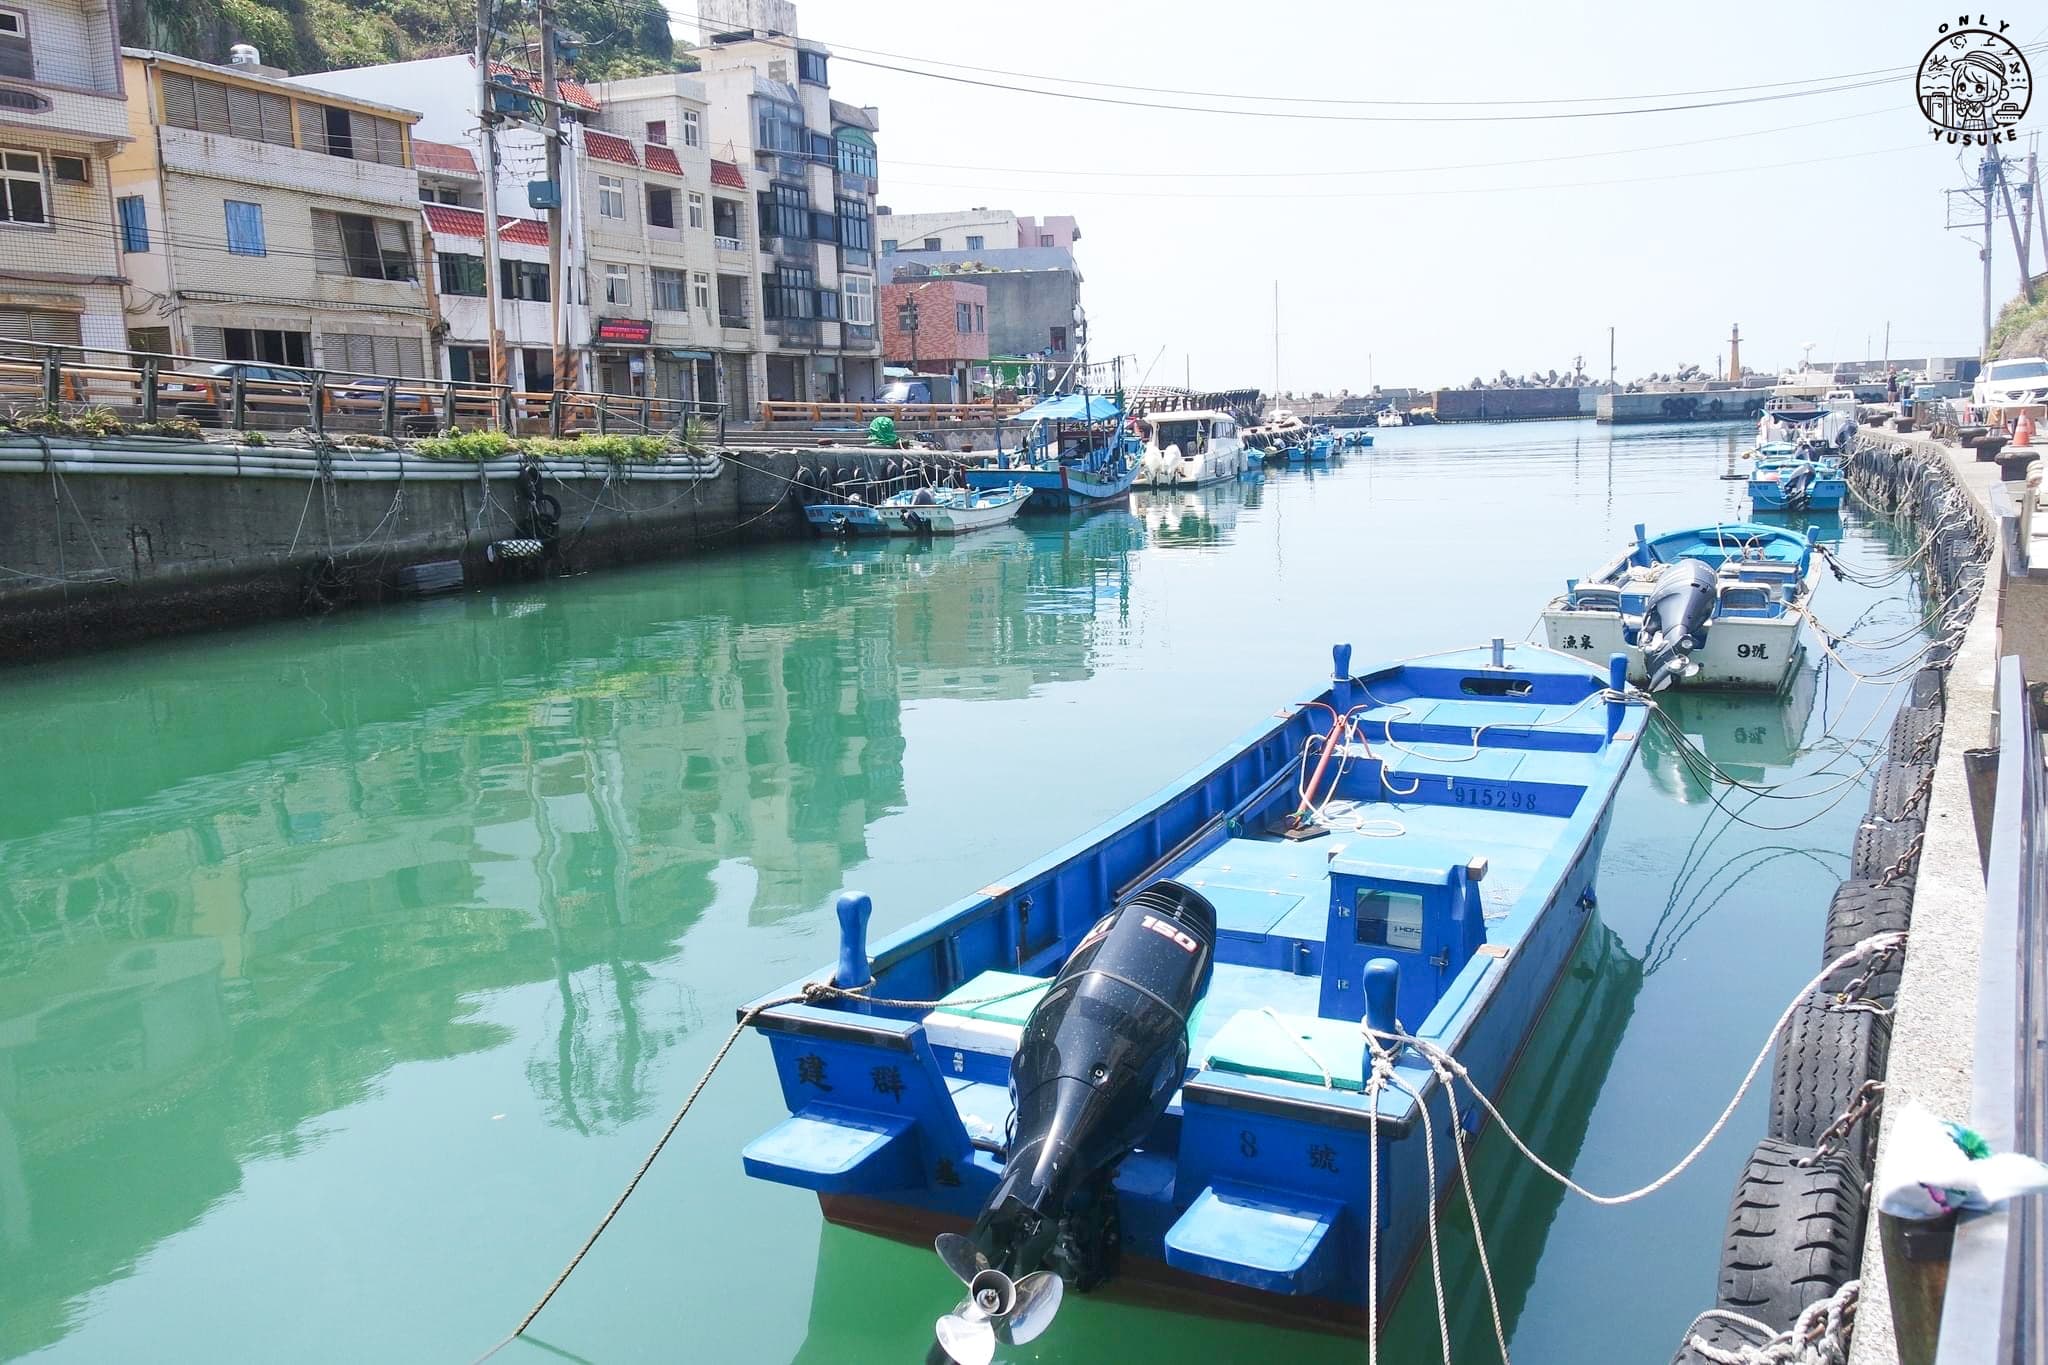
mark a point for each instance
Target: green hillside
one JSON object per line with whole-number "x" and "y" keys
{"x": 621, "y": 37}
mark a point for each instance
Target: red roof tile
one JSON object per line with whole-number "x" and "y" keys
{"x": 605, "y": 147}
{"x": 460, "y": 222}
{"x": 727, "y": 174}
{"x": 442, "y": 156}
{"x": 660, "y": 158}
{"x": 570, "y": 91}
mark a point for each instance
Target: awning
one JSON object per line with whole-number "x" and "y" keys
{"x": 686, "y": 355}
{"x": 1072, "y": 407}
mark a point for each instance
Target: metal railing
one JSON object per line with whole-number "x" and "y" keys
{"x": 259, "y": 396}
{"x": 1996, "y": 1308}
{"x": 782, "y": 411}
{"x": 728, "y": 244}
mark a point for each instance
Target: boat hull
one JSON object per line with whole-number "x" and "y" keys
{"x": 941, "y": 519}
{"x": 1826, "y": 493}
{"x": 844, "y": 519}
{"x": 1737, "y": 653}
{"x": 1058, "y": 490}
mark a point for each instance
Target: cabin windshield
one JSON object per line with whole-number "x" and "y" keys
{"x": 1186, "y": 435}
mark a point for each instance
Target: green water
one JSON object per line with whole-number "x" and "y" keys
{"x": 347, "y": 968}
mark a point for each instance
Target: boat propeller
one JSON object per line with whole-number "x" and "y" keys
{"x": 997, "y": 1308}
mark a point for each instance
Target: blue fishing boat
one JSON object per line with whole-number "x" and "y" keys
{"x": 1075, "y": 452}
{"x": 1145, "y": 1061}
{"x": 1312, "y": 449}
{"x": 1784, "y": 477}
{"x": 1706, "y": 606}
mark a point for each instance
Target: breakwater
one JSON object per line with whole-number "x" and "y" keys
{"x": 1712, "y": 405}
{"x": 109, "y": 541}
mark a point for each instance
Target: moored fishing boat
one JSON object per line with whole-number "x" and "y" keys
{"x": 1795, "y": 478}
{"x": 845, "y": 518}
{"x": 1075, "y": 452}
{"x": 1418, "y": 844}
{"x": 950, "y": 511}
{"x": 1709, "y": 606}
{"x": 1188, "y": 449}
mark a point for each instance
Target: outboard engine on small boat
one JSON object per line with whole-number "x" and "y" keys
{"x": 1797, "y": 485}
{"x": 1101, "y": 1055}
{"x": 1675, "y": 621}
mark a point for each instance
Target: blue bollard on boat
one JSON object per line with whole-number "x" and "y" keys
{"x": 853, "y": 910}
{"x": 1340, "y": 676}
{"x": 1617, "y": 680}
{"x": 1382, "y": 989}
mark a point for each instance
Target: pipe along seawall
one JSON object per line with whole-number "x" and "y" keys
{"x": 106, "y": 542}
{"x": 1801, "y": 1222}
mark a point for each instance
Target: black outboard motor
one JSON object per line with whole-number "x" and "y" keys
{"x": 1101, "y": 1055}
{"x": 1675, "y": 621}
{"x": 1798, "y": 487}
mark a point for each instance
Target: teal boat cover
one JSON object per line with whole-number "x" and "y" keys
{"x": 1073, "y": 407}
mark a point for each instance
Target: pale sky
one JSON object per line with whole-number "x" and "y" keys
{"x": 1819, "y": 233}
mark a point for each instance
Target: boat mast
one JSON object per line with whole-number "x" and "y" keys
{"x": 1276, "y": 341}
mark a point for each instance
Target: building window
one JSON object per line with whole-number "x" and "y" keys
{"x": 21, "y": 188}
{"x": 732, "y": 301}
{"x": 611, "y": 197}
{"x": 618, "y": 286}
{"x": 661, "y": 207}
{"x": 369, "y": 353}
{"x": 526, "y": 281}
{"x": 856, "y": 152}
{"x": 856, "y": 233}
{"x": 696, "y": 210}
{"x": 974, "y": 243}
{"x": 980, "y": 317}
{"x": 810, "y": 67}
{"x": 16, "y": 59}
{"x": 692, "y": 129}
{"x": 888, "y": 246}
{"x": 700, "y": 291}
{"x": 245, "y": 229}
{"x": 828, "y": 305}
{"x": 363, "y": 247}
{"x": 237, "y": 111}
{"x": 657, "y": 131}
{"x": 786, "y": 211}
{"x": 50, "y": 326}
{"x": 931, "y": 244}
{"x": 860, "y": 300}
{"x": 789, "y": 294}
{"x": 1059, "y": 338}
{"x": 1045, "y": 239}
{"x": 253, "y": 344}
{"x": 70, "y": 170}
{"x": 726, "y": 220}
{"x": 963, "y": 317}
{"x": 469, "y": 364}
{"x": 779, "y": 127}
{"x": 134, "y": 223}
{"x": 668, "y": 291}
{"x": 461, "y": 275}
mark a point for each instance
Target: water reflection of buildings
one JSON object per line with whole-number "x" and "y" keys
{"x": 280, "y": 869}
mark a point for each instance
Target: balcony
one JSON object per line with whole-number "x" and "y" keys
{"x": 728, "y": 244}
{"x": 738, "y": 320}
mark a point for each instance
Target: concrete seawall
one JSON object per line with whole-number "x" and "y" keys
{"x": 1714, "y": 405}
{"x": 97, "y": 548}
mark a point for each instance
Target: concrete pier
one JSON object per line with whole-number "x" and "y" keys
{"x": 98, "y": 547}
{"x": 1934, "y": 1024}
{"x": 1711, "y": 405}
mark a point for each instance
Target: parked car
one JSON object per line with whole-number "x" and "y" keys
{"x": 906, "y": 391}
{"x": 2012, "y": 383}
{"x": 206, "y": 390}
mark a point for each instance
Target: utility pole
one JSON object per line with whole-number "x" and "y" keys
{"x": 1610, "y": 359}
{"x": 1987, "y": 173}
{"x": 558, "y": 362}
{"x": 488, "y": 135}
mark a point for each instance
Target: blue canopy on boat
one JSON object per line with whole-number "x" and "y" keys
{"x": 1073, "y": 407}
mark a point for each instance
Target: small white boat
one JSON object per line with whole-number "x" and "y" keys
{"x": 950, "y": 511}
{"x": 1391, "y": 417}
{"x": 1189, "y": 449}
{"x": 1709, "y": 606}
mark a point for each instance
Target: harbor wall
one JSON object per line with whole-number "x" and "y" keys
{"x": 1511, "y": 405}
{"x": 1725, "y": 405}
{"x": 97, "y": 550}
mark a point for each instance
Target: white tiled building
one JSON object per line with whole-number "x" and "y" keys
{"x": 62, "y": 115}
{"x": 293, "y": 225}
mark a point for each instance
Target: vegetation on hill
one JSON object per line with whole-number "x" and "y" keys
{"x": 2022, "y": 327}
{"x": 620, "y": 37}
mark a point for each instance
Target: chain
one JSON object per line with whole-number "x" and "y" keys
{"x": 1919, "y": 795}
{"x": 1868, "y": 1100}
{"x": 1905, "y": 862}
{"x": 1819, "y": 1336}
{"x": 1854, "y": 994}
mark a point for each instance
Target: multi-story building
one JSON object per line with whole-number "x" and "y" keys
{"x": 62, "y": 115}
{"x": 290, "y": 222}
{"x": 810, "y": 163}
{"x": 451, "y": 201}
{"x": 939, "y": 326}
{"x": 1027, "y": 267}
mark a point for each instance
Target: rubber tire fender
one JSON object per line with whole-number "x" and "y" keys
{"x": 1720, "y": 1334}
{"x": 1794, "y": 1233}
{"x": 1861, "y": 908}
{"x": 1824, "y": 1056}
{"x": 1910, "y": 731}
{"x": 1880, "y": 844}
{"x": 1900, "y": 792}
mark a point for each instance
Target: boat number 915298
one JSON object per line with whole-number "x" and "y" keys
{"x": 1492, "y": 798}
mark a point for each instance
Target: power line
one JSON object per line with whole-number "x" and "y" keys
{"x": 839, "y": 48}
{"x": 1416, "y": 193}
{"x": 1400, "y": 170}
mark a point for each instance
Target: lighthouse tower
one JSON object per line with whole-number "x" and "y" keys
{"x": 1735, "y": 353}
